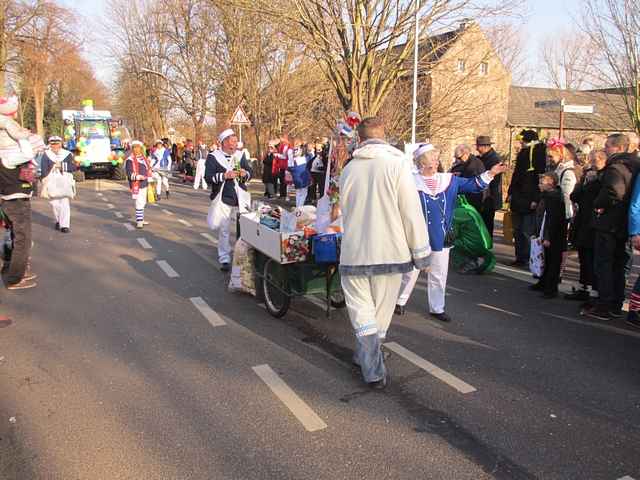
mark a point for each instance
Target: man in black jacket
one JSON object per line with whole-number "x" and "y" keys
{"x": 493, "y": 195}
{"x": 610, "y": 223}
{"x": 16, "y": 205}
{"x": 523, "y": 194}
{"x": 468, "y": 166}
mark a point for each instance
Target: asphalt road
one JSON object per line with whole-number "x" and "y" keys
{"x": 116, "y": 368}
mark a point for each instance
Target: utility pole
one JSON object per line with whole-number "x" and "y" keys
{"x": 415, "y": 77}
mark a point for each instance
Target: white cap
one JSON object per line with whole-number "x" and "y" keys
{"x": 226, "y": 134}
{"x": 55, "y": 139}
{"x": 422, "y": 149}
{"x": 137, "y": 142}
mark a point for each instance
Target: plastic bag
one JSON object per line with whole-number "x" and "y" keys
{"x": 58, "y": 185}
{"x": 242, "y": 269}
{"x": 244, "y": 199}
{"x": 288, "y": 222}
{"x": 219, "y": 212}
{"x": 536, "y": 255}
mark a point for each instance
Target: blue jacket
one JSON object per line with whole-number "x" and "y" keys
{"x": 634, "y": 209}
{"x": 438, "y": 208}
{"x": 47, "y": 162}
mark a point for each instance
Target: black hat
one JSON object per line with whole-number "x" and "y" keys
{"x": 528, "y": 135}
{"x": 483, "y": 140}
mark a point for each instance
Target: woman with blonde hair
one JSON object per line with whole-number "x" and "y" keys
{"x": 563, "y": 165}
{"x": 438, "y": 193}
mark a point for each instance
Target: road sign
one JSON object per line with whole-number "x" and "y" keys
{"x": 548, "y": 104}
{"x": 578, "y": 108}
{"x": 239, "y": 117}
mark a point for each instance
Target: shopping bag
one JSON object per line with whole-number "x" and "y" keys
{"x": 242, "y": 269}
{"x": 151, "y": 195}
{"x": 536, "y": 255}
{"x": 219, "y": 212}
{"x": 58, "y": 185}
{"x": 507, "y": 227}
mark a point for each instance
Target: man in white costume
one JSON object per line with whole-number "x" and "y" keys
{"x": 384, "y": 236}
{"x": 223, "y": 171}
{"x": 161, "y": 166}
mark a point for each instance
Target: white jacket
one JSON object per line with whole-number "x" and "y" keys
{"x": 384, "y": 228}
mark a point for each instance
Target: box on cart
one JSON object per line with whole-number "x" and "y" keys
{"x": 282, "y": 247}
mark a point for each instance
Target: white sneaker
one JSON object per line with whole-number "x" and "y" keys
{"x": 139, "y": 225}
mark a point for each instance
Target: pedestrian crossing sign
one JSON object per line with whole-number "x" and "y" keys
{"x": 239, "y": 117}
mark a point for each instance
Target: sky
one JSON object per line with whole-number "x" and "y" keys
{"x": 543, "y": 19}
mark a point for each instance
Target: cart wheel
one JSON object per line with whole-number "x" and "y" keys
{"x": 337, "y": 300}
{"x": 276, "y": 301}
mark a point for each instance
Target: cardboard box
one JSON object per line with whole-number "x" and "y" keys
{"x": 269, "y": 242}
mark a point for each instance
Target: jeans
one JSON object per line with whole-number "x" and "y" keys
{"x": 611, "y": 257}
{"x": 18, "y": 212}
{"x": 524, "y": 227}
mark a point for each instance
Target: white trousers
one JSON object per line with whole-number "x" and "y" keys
{"x": 371, "y": 301}
{"x": 301, "y": 196}
{"x": 162, "y": 178}
{"x": 224, "y": 237}
{"x": 199, "y": 179}
{"x": 62, "y": 211}
{"x": 141, "y": 199}
{"x": 436, "y": 281}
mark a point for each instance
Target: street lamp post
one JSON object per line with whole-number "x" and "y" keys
{"x": 414, "y": 113}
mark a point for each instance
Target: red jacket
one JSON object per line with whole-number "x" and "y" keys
{"x": 280, "y": 161}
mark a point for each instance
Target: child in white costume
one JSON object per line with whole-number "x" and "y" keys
{"x": 17, "y": 144}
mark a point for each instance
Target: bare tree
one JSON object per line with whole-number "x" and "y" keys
{"x": 614, "y": 28}
{"x": 50, "y": 42}
{"x": 364, "y": 47}
{"x": 15, "y": 17}
{"x": 508, "y": 41}
{"x": 567, "y": 61}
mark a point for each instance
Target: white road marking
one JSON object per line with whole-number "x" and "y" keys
{"x": 110, "y": 205}
{"x": 166, "y": 268}
{"x": 100, "y": 194}
{"x": 455, "y": 289}
{"x": 429, "y": 367}
{"x": 594, "y": 324}
{"x": 144, "y": 244}
{"x": 118, "y": 214}
{"x": 207, "y": 312}
{"x": 490, "y": 307}
{"x": 128, "y": 226}
{"x": 514, "y": 270}
{"x": 317, "y": 302}
{"x": 309, "y": 419}
{"x": 185, "y": 223}
{"x": 210, "y": 238}
{"x": 168, "y": 212}
{"x": 626, "y": 477}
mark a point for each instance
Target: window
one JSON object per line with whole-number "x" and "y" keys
{"x": 461, "y": 65}
{"x": 484, "y": 68}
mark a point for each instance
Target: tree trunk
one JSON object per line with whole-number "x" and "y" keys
{"x": 38, "y": 103}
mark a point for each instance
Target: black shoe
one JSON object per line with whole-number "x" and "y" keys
{"x": 380, "y": 384}
{"x": 579, "y": 295}
{"x": 399, "y": 310}
{"x": 616, "y": 313}
{"x": 225, "y": 267}
{"x": 57, "y": 227}
{"x": 633, "y": 319}
{"x": 536, "y": 287}
{"x": 167, "y": 193}
{"x": 443, "y": 317}
{"x": 599, "y": 312}
{"x": 65, "y": 230}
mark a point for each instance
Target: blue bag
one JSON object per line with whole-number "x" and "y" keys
{"x": 326, "y": 247}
